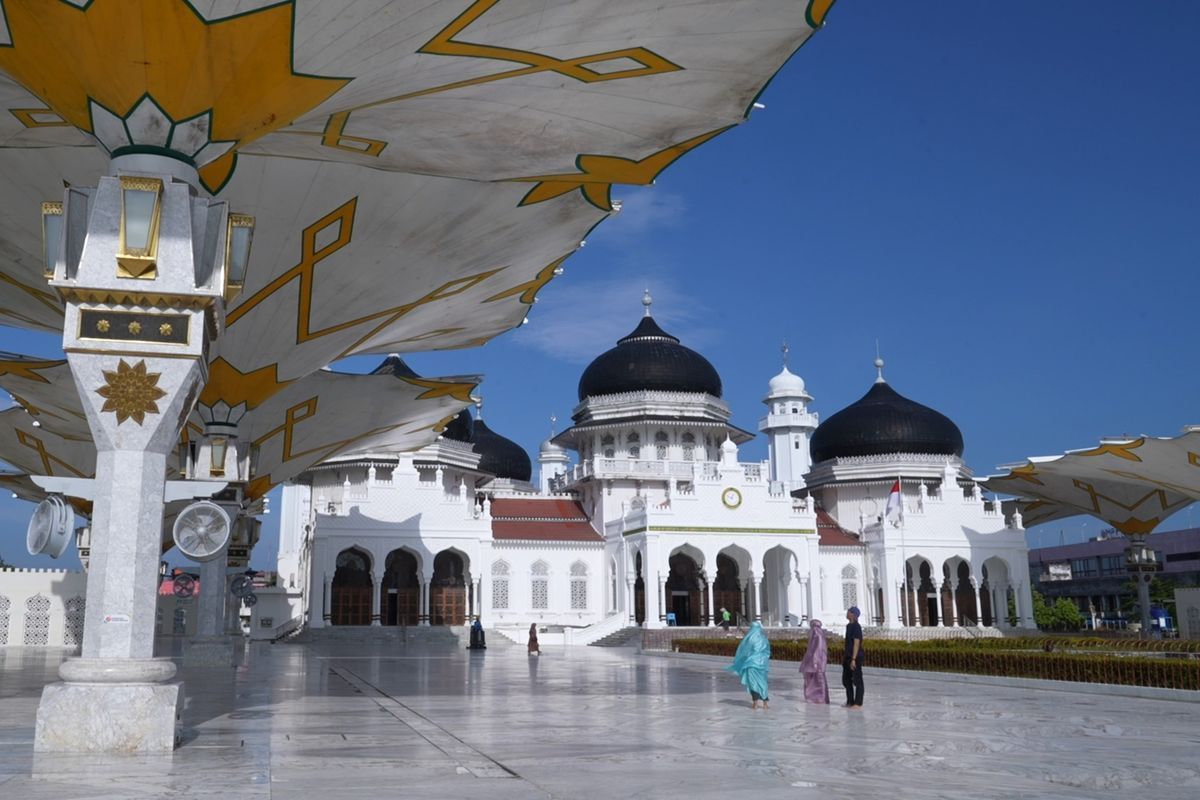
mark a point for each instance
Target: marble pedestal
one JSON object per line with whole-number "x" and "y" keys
{"x": 110, "y": 706}
{"x": 208, "y": 651}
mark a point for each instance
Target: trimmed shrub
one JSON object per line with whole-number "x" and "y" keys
{"x": 1026, "y": 660}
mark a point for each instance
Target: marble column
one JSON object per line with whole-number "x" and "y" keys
{"x": 212, "y": 647}
{"x": 376, "y": 599}
{"x": 326, "y": 600}
{"x": 793, "y": 597}
{"x": 631, "y": 600}
{"x": 978, "y": 606}
{"x": 757, "y": 580}
{"x": 714, "y": 612}
{"x": 425, "y": 615}
{"x": 744, "y": 597}
{"x": 953, "y": 604}
{"x": 662, "y": 594}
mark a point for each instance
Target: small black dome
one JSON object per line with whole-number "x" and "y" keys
{"x": 499, "y": 456}
{"x": 649, "y": 358}
{"x": 394, "y": 365}
{"x": 884, "y": 422}
{"x": 461, "y": 428}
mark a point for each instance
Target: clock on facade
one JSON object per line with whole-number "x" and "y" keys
{"x": 731, "y": 497}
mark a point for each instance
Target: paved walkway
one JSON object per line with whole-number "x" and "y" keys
{"x": 343, "y": 721}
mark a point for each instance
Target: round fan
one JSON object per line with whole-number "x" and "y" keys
{"x": 184, "y": 586}
{"x": 241, "y": 586}
{"x": 202, "y": 530}
{"x": 250, "y": 600}
{"x": 49, "y": 528}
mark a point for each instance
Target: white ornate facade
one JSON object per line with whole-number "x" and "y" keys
{"x": 644, "y": 514}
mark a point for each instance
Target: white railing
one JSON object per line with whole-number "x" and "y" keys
{"x": 594, "y": 633}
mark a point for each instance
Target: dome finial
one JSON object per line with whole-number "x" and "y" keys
{"x": 479, "y": 407}
{"x": 553, "y": 424}
{"x": 783, "y": 348}
{"x": 647, "y": 300}
{"x": 878, "y": 364}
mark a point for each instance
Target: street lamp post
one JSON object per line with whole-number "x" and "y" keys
{"x": 1142, "y": 563}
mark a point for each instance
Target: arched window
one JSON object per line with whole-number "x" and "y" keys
{"x": 37, "y": 621}
{"x": 579, "y": 576}
{"x": 633, "y": 445}
{"x": 689, "y": 447}
{"x": 849, "y": 586}
{"x": 73, "y": 633}
{"x": 5, "y": 606}
{"x": 539, "y": 585}
{"x": 660, "y": 446}
{"x": 612, "y": 584}
{"x": 500, "y": 572}
{"x": 609, "y": 446}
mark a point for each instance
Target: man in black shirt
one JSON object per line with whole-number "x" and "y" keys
{"x": 852, "y": 660}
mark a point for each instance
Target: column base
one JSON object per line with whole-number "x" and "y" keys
{"x": 209, "y": 651}
{"x": 108, "y": 717}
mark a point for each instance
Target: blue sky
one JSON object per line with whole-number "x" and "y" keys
{"x": 1006, "y": 196}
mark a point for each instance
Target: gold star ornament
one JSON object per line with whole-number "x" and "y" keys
{"x": 130, "y": 392}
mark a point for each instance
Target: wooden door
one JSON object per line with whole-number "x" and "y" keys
{"x": 351, "y": 605}
{"x": 408, "y": 606}
{"x": 449, "y": 605}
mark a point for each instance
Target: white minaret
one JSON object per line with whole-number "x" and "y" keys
{"x": 788, "y": 424}
{"x": 552, "y": 460}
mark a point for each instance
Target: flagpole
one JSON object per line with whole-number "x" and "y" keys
{"x": 904, "y": 565}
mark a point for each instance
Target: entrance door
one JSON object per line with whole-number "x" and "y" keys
{"x": 449, "y": 605}
{"x": 408, "y": 606}
{"x": 681, "y": 604}
{"x": 352, "y": 590}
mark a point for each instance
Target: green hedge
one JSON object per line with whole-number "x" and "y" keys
{"x": 971, "y": 659}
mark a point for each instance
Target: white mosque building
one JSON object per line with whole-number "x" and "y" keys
{"x": 643, "y": 514}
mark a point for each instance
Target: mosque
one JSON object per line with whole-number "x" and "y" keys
{"x": 642, "y": 514}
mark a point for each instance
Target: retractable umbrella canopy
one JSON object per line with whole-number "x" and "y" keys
{"x": 1132, "y": 484}
{"x": 417, "y": 172}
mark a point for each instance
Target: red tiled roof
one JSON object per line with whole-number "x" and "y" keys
{"x": 549, "y": 508}
{"x": 830, "y": 534}
{"x": 561, "y": 531}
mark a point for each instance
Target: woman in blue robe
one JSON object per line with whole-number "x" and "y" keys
{"x": 751, "y": 663}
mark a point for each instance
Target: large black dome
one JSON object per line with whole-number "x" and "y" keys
{"x": 461, "y": 428}
{"x": 499, "y": 456}
{"x": 649, "y": 358}
{"x": 885, "y": 422}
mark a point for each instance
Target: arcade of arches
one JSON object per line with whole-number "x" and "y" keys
{"x": 954, "y": 599}
{"x": 691, "y": 595}
{"x": 401, "y": 596}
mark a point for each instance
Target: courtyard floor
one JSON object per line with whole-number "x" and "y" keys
{"x": 352, "y": 721}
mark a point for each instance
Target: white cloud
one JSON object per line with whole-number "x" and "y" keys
{"x": 643, "y": 209}
{"x": 585, "y": 319}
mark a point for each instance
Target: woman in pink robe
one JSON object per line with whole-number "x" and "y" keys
{"x": 816, "y": 656}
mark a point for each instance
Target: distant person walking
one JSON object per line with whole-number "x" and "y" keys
{"x": 812, "y": 667}
{"x": 725, "y": 619}
{"x": 852, "y": 677}
{"x": 532, "y": 647}
{"x": 751, "y": 663}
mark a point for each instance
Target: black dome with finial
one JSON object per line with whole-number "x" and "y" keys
{"x": 499, "y": 456}
{"x": 461, "y": 428}
{"x": 884, "y": 422}
{"x": 649, "y": 358}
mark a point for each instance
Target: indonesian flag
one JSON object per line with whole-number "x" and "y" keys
{"x": 893, "y": 503}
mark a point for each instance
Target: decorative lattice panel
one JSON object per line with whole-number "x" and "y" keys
{"x": 849, "y": 594}
{"x": 579, "y": 594}
{"x": 541, "y": 593}
{"x": 5, "y": 605}
{"x": 37, "y": 621}
{"x": 73, "y": 632}
{"x": 500, "y": 593}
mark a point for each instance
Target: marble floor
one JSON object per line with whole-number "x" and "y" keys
{"x": 351, "y": 721}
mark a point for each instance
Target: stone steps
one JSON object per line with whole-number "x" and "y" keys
{"x": 620, "y": 638}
